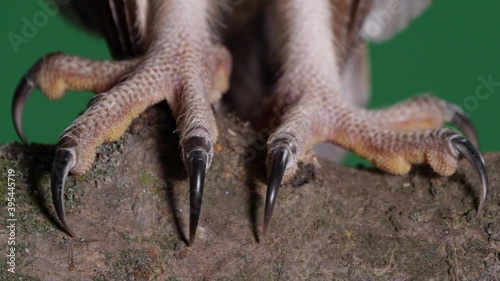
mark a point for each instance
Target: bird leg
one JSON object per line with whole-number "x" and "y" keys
{"x": 309, "y": 94}
{"x": 183, "y": 66}
{"x": 56, "y": 73}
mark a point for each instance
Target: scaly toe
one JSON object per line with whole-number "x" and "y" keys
{"x": 56, "y": 73}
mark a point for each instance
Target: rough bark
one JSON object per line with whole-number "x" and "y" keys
{"x": 330, "y": 223}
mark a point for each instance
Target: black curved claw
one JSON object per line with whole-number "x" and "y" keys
{"x": 197, "y": 160}
{"x": 464, "y": 124}
{"x": 21, "y": 95}
{"x": 64, "y": 160}
{"x": 467, "y": 150}
{"x": 279, "y": 161}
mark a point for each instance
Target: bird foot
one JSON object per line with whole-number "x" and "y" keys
{"x": 186, "y": 68}
{"x": 316, "y": 103}
{"x": 393, "y": 139}
{"x": 189, "y": 80}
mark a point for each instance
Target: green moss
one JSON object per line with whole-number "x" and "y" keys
{"x": 107, "y": 161}
{"x": 4, "y": 275}
{"x": 146, "y": 178}
{"x": 279, "y": 264}
{"x": 5, "y": 165}
{"x": 166, "y": 243}
{"x": 100, "y": 277}
{"x": 137, "y": 265}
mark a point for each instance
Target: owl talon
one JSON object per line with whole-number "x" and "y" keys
{"x": 23, "y": 91}
{"x": 64, "y": 161}
{"x": 280, "y": 158}
{"x": 463, "y": 123}
{"x": 466, "y": 149}
{"x": 197, "y": 159}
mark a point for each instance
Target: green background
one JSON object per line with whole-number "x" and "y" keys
{"x": 444, "y": 52}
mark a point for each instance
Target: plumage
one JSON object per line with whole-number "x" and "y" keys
{"x": 388, "y": 17}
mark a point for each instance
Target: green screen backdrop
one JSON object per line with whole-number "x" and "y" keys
{"x": 452, "y": 51}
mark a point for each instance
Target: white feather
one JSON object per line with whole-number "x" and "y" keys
{"x": 388, "y": 17}
{"x": 142, "y": 16}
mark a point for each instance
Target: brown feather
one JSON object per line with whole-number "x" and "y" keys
{"x": 116, "y": 21}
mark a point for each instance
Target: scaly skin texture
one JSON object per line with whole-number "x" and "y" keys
{"x": 55, "y": 73}
{"x": 317, "y": 111}
{"x": 182, "y": 67}
{"x": 308, "y": 47}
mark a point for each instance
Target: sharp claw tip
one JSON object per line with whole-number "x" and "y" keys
{"x": 482, "y": 198}
{"x": 279, "y": 161}
{"x": 23, "y": 139}
{"x": 198, "y": 161}
{"x": 21, "y": 95}
{"x": 191, "y": 240}
{"x": 67, "y": 229}
{"x": 466, "y": 149}
{"x": 19, "y": 129}
{"x": 64, "y": 161}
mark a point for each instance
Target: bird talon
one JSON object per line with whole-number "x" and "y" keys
{"x": 280, "y": 158}
{"x": 466, "y": 149}
{"x": 463, "y": 123}
{"x": 197, "y": 159}
{"x": 23, "y": 91}
{"x": 64, "y": 161}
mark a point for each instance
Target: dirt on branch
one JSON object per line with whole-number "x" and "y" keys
{"x": 330, "y": 223}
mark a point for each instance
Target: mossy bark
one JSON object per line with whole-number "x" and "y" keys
{"x": 330, "y": 223}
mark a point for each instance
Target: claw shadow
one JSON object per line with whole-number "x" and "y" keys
{"x": 172, "y": 168}
{"x": 172, "y": 201}
{"x": 468, "y": 187}
{"x": 426, "y": 172}
{"x": 39, "y": 164}
{"x": 255, "y": 165}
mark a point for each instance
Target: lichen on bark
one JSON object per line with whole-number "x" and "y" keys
{"x": 332, "y": 223}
